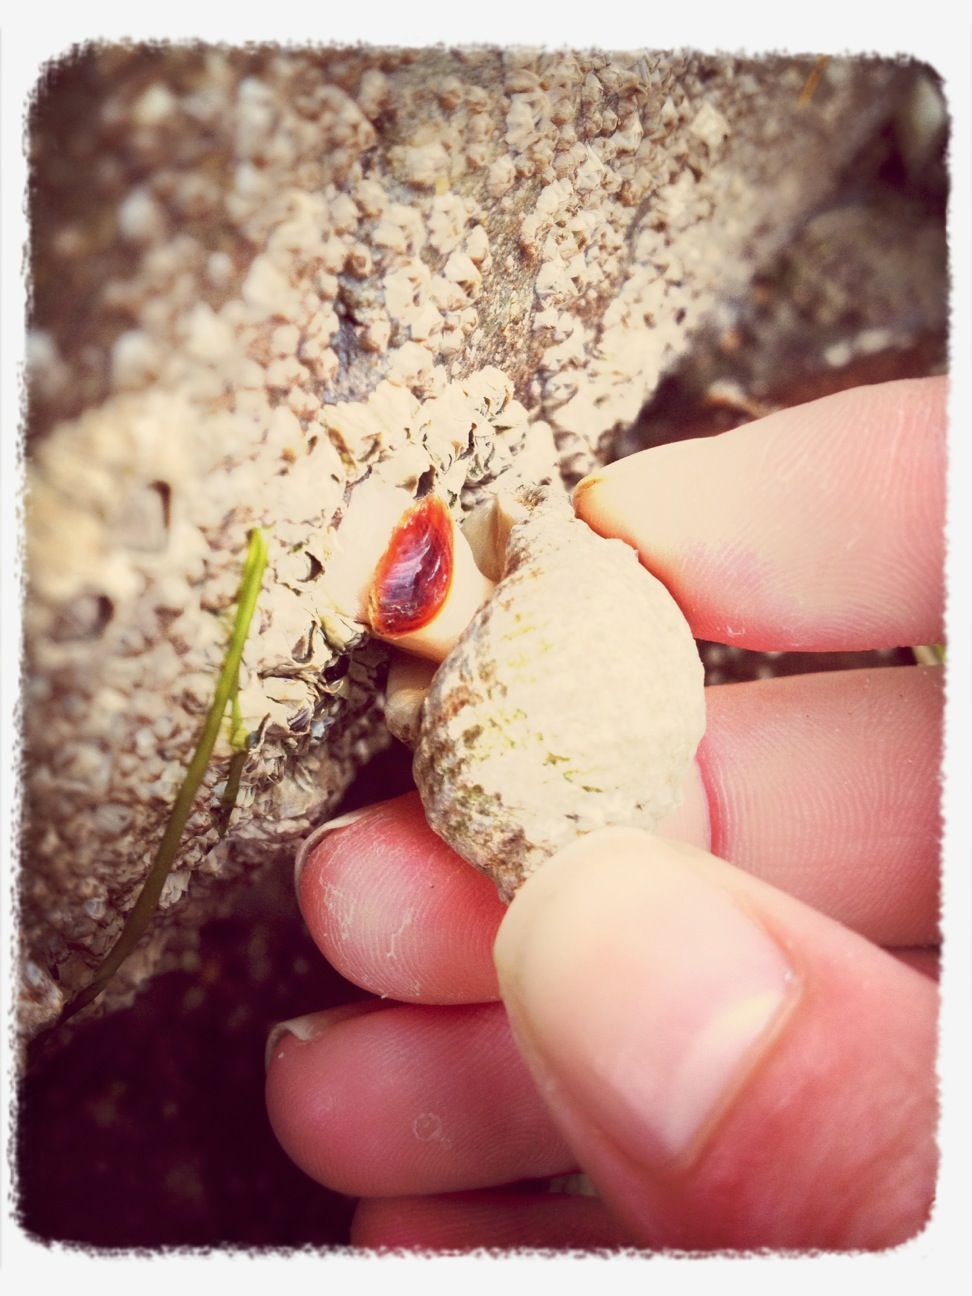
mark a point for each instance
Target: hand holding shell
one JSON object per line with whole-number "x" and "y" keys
{"x": 572, "y": 700}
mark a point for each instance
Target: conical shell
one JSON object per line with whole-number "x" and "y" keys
{"x": 573, "y": 701}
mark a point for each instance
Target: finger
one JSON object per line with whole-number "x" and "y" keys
{"x": 827, "y": 786}
{"x": 408, "y": 1100}
{"x": 816, "y": 528}
{"x": 731, "y": 1068}
{"x": 396, "y": 911}
{"x": 922, "y": 959}
{"x": 497, "y": 1219}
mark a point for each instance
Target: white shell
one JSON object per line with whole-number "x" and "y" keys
{"x": 573, "y": 701}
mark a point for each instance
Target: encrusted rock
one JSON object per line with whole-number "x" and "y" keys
{"x": 261, "y": 276}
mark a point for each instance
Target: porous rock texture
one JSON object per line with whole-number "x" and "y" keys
{"x": 260, "y": 276}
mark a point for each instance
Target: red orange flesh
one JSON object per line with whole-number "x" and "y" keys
{"x": 415, "y": 572}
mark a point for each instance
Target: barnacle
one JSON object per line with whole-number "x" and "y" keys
{"x": 405, "y": 570}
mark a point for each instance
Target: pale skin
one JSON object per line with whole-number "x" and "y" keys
{"x": 739, "y": 1054}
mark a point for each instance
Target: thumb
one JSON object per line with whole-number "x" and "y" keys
{"x": 730, "y": 1067}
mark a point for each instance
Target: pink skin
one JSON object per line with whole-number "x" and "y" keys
{"x": 822, "y": 791}
{"x": 817, "y": 528}
{"x": 458, "y": 1221}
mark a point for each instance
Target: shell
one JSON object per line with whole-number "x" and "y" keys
{"x": 573, "y": 701}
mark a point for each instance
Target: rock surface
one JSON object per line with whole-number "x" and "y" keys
{"x": 260, "y": 276}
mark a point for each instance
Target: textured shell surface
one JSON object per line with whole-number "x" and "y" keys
{"x": 574, "y": 701}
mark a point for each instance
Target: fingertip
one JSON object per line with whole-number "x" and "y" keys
{"x": 311, "y": 1026}
{"x": 409, "y": 1099}
{"x": 396, "y": 912}
{"x": 816, "y": 528}
{"x": 310, "y": 844}
{"x": 586, "y": 492}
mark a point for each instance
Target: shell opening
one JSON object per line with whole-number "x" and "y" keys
{"x": 415, "y": 572}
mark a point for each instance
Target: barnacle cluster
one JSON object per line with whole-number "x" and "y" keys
{"x": 263, "y": 278}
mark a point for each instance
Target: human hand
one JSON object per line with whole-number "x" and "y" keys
{"x": 726, "y": 1049}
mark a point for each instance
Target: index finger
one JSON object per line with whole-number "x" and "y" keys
{"x": 818, "y": 528}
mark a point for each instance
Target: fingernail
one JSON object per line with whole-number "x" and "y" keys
{"x": 332, "y": 825}
{"x": 585, "y": 485}
{"x": 640, "y": 989}
{"x": 312, "y": 1025}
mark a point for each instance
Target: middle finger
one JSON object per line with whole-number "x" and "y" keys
{"x": 824, "y": 785}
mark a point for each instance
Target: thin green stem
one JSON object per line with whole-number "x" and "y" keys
{"x": 226, "y": 690}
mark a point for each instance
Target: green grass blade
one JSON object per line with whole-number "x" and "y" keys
{"x": 226, "y": 688}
